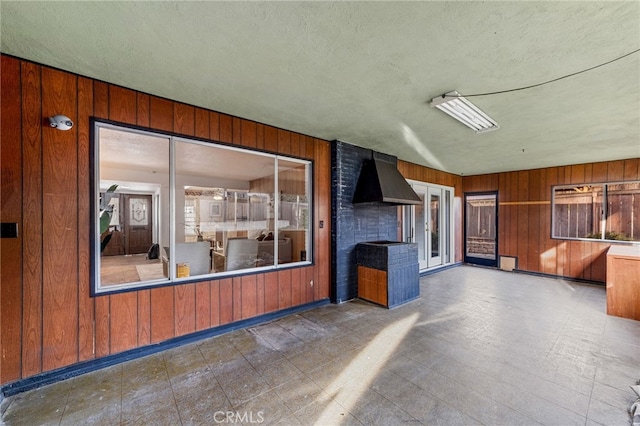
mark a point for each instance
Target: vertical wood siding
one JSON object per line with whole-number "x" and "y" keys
{"x": 48, "y": 318}
{"x": 11, "y": 248}
{"x": 31, "y": 218}
{"x": 524, "y": 228}
{"x": 59, "y": 224}
{"x": 86, "y": 308}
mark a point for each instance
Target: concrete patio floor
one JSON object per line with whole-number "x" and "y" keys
{"x": 479, "y": 346}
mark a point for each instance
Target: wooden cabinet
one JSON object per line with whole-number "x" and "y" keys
{"x": 372, "y": 285}
{"x": 623, "y": 282}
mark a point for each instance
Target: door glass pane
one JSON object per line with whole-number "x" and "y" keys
{"x": 420, "y": 221}
{"x": 434, "y": 226}
{"x": 407, "y": 224}
{"x": 480, "y": 226}
{"x": 138, "y": 209}
{"x": 446, "y": 226}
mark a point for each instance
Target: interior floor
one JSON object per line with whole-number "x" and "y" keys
{"x": 128, "y": 269}
{"x": 480, "y": 346}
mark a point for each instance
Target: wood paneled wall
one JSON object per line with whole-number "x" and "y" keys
{"x": 48, "y": 318}
{"x": 425, "y": 174}
{"x": 524, "y": 216}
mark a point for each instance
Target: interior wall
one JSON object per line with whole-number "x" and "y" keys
{"x": 524, "y": 216}
{"x": 48, "y": 318}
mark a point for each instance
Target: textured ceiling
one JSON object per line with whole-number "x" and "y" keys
{"x": 123, "y": 149}
{"x": 364, "y": 72}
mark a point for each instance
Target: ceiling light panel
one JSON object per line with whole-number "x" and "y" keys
{"x": 464, "y": 111}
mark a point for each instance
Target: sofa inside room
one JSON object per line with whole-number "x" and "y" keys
{"x": 266, "y": 249}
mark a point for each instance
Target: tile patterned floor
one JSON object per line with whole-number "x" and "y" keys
{"x": 480, "y": 347}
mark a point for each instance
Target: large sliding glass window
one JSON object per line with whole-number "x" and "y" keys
{"x": 602, "y": 211}
{"x": 171, "y": 209}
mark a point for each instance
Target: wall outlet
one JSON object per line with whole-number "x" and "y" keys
{"x": 311, "y": 283}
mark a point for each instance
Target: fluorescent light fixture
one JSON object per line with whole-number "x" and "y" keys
{"x": 464, "y": 111}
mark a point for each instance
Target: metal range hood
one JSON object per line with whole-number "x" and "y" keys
{"x": 381, "y": 182}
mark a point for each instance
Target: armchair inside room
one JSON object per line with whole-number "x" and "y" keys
{"x": 240, "y": 253}
{"x": 195, "y": 254}
{"x": 265, "y": 251}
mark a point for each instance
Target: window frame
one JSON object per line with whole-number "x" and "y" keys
{"x": 173, "y": 139}
{"x": 604, "y": 209}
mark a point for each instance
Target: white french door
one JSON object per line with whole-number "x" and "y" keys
{"x": 433, "y": 225}
{"x": 429, "y": 225}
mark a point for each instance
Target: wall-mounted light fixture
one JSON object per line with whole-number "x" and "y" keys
{"x": 464, "y": 111}
{"x": 60, "y": 122}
